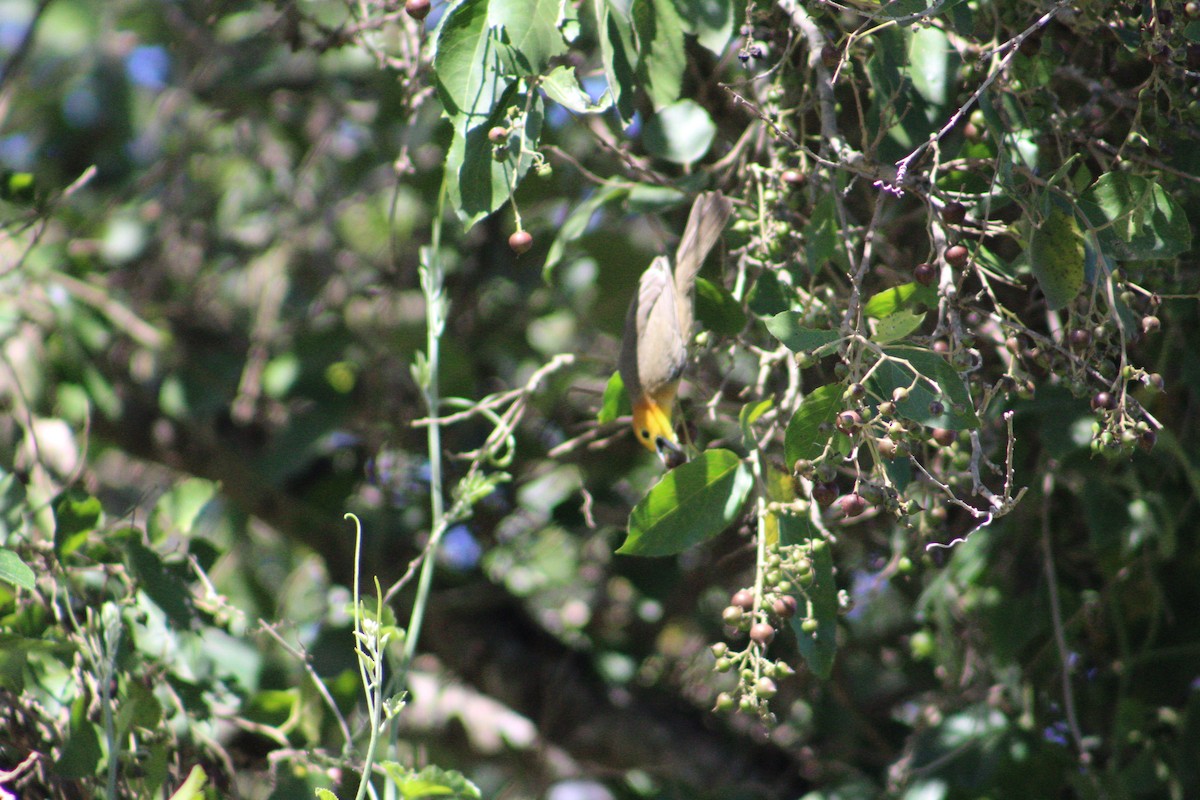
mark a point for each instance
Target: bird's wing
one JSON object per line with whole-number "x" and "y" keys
{"x": 653, "y": 350}
{"x": 705, "y": 223}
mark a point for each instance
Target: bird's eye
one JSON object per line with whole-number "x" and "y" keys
{"x": 645, "y": 434}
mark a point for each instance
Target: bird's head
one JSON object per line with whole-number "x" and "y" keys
{"x": 652, "y": 427}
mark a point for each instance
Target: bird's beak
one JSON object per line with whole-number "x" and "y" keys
{"x": 671, "y": 453}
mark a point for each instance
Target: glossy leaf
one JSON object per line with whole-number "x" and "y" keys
{"x": 430, "y": 782}
{"x": 618, "y": 54}
{"x": 896, "y": 326}
{"x": 659, "y": 34}
{"x": 562, "y": 86}
{"x": 749, "y": 415}
{"x": 804, "y": 437}
{"x": 906, "y": 295}
{"x": 15, "y": 571}
{"x": 160, "y": 584}
{"x": 615, "y": 403}
{"x": 710, "y": 21}
{"x": 76, "y": 515}
{"x": 786, "y": 328}
{"x": 690, "y": 504}
{"x": 1056, "y": 253}
{"x": 767, "y": 297}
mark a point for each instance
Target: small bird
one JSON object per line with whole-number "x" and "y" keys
{"x": 658, "y": 328}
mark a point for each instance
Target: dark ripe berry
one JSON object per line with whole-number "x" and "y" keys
{"x": 520, "y": 242}
{"x": 1147, "y": 440}
{"x": 793, "y": 178}
{"x": 1103, "y": 400}
{"x": 956, "y": 256}
{"x": 848, "y": 421}
{"x": 829, "y": 56}
{"x": 417, "y": 9}
{"x": 941, "y": 346}
{"x": 498, "y": 135}
{"x": 853, "y": 505}
{"x": 1150, "y": 324}
{"x": 1156, "y": 381}
{"x": 1079, "y": 337}
{"x": 856, "y": 391}
{"x": 924, "y": 274}
{"x": 762, "y": 633}
{"x": 824, "y": 493}
{"x": 944, "y": 437}
{"x": 784, "y": 606}
{"x": 1013, "y": 345}
{"x": 954, "y": 213}
{"x": 743, "y": 599}
{"x": 936, "y": 408}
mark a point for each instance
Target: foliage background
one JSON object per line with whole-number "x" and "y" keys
{"x": 213, "y": 218}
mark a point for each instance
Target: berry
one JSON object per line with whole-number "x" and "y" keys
{"x": 1079, "y": 337}
{"x": 793, "y": 178}
{"x": 732, "y": 616}
{"x": 784, "y": 606}
{"x": 853, "y": 505}
{"x": 944, "y": 437}
{"x": 1150, "y": 324}
{"x": 956, "y": 256}
{"x": 1103, "y": 400}
{"x": 954, "y": 213}
{"x": 520, "y": 242}
{"x": 824, "y": 493}
{"x": 762, "y": 633}
{"x": 743, "y": 599}
{"x": 829, "y": 56}
{"x": 924, "y": 274}
{"x": 765, "y": 688}
{"x": 848, "y": 421}
{"x": 417, "y": 9}
{"x": 498, "y": 135}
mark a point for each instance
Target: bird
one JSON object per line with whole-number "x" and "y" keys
{"x": 658, "y": 328}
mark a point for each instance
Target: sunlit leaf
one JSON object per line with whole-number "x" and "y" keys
{"x": 615, "y": 403}
{"x": 15, "y": 571}
{"x": 1136, "y": 218}
{"x": 659, "y": 34}
{"x": 690, "y": 504}
{"x": 680, "y": 133}
{"x": 805, "y": 438}
{"x": 787, "y": 328}
{"x": 1056, "y": 253}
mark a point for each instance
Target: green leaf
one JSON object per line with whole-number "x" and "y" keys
{"x": 766, "y": 297}
{"x": 717, "y": 309}
{"x": 933, "y": 65}
{"x": 81, "y": 755}
{"x": 896, "y": 326}
{"x": 76, "y": 515}
{"x": 562, "y": 86}
{"x": 479, "y": 184}
{"x": 15, "y": 571}
{"x": 193, "y": 787}
{"x": 906, "y": 295}
{"x": 176, "y": 511}
{"x": 710, "y": 21}
{"x": 959, "y": 413}
{"x": 1056, "y": 253}
{"x": 616, "y": 401}
{"x": 786, "y": 328}
{"x": 467, "y": 63}
{"x": 690, "y": 504}
{"x": 430, "y": 782}
{"x": 645, "y": 198}
{"x": 619, "y": 56}
{"x": 325, "y": 794}
{"x": 821, "y": 234}
{"x": 12, "y": 505}
{"x": 138, "y": 707}
{"x": 576, "y": 224}
{"x": 161, "y": 585}
{"x": 820, "y": 597}
{"x": 749, "y": 415}
{"x": 659, "y": 34}
{"x": 680, "y": 133}
{"x": 1136, "y": 218}
{"x": 804, "y": 437}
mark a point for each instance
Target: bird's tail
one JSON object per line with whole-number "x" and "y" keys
{"x": 709, "y": 214}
